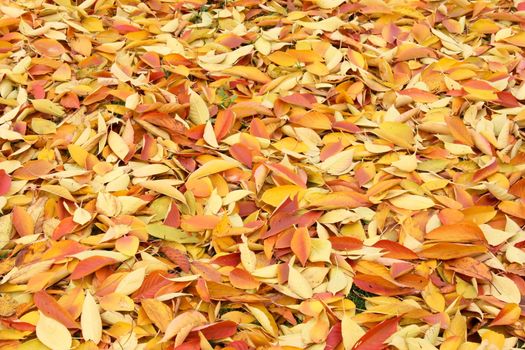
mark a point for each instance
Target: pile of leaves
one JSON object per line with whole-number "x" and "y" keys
{"x": 251, "y": 174}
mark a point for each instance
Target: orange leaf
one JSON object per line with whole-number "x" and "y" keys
{"x": 51, "y": 308}
{"x": 459, "y": 130}
{"x": 448, "y": 251}
{"x": 242, "y": 279}
{"x": 461, "y": 232}
{"x": 509, "y": 315}
{"x": 90, "y": 265}
{"x": 301, "y": 244}
{"x": 470, "y": 267}
{"x": 33, "y": 170}
{"x": 376, "y": 336}
{"x": 248, "y": 72}
{"x": 486, "y": 171}
{"x": 65, "y": 227}
{"x": 23, "y": 222}
{"x": 49, "y": 47}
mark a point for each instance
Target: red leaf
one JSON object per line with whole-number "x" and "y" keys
{"x": 177, "y": 257}
{"x": 218, "y": 330}
{"x": 153, "y": 282}
{"x": 334, "y": 337}
{"x": 173, "y": 217}
{"x": 375, "y": 337}
{"x": 5, "y": 182}
{"x": 345, "y": 243}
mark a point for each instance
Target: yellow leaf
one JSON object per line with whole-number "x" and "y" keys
{"x": 398, "y": 133}
{"x": 266, "y": 320}
{"x": 248, "y": 258}
{"x": 406, "y": 163}
{"x": 493, "y": 339}
{"x": 59, "y": 191}
{"x": 158, "y": 312}
{"x": 48, "y": 107}
{"x": 328, "y": 25}
{"x": 78, "y": 154}
{"x": 283, "y": 59}
{"x": 276, "y": 195}
{"x": 434, "y": 299}
{"x": 116, "y": 302}
{"x": 52, "y": 333}
{"x": 90, "y": 320}
{"x": 43, "y": 126}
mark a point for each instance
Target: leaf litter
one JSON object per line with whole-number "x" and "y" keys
{"x": 262, "y": 174}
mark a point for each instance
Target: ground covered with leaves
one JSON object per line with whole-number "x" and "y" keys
{"x": 251, "y": 174}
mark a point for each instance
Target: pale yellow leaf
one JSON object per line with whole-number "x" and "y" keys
{"x": 339, "y": 164}
{"x": 90, "y": 320}
{"x": 131, "y": 282}
{"x": 209, "y": 135}
{"x": 150, "y": 170}
{"x": 181, "y": 326}
{"x": 199, "y": 113}
{"x": 298, "y": 284}
{"x": 412, "y": 202}
{"x": 118, "y": 145}
{"x": 504, "y": 289}
{"x": 320, "y": 250}
{"x": 328, "y": 4}
{"x": 351, "y": 331}
{"x": 164, "y": 187}
{"x": 515, "y": 255}
{"x": 81, "y": 216}
{"x": 52, "y": 333}
{"x": 212, "y": 167}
